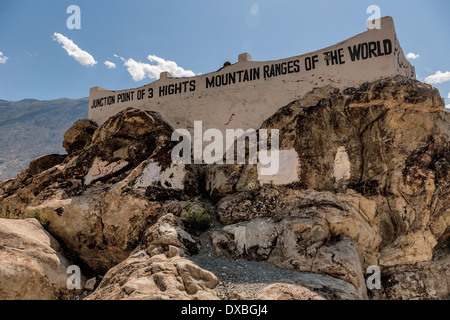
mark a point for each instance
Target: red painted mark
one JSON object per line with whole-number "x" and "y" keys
{"x": 105, "y": 171}
{"x": 229, "y": 120}
{"x": 99, "y": 172}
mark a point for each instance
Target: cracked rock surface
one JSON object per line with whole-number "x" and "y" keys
{"x": 372, "y": 189}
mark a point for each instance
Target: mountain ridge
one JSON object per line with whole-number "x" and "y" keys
{"x": 30, "y": 128}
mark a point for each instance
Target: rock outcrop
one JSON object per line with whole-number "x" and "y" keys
{"x": 32, "y": 265}
{"x": 79, "y": 135}
{"x": 97, "y": 210}
{"x": 371, "y": 189}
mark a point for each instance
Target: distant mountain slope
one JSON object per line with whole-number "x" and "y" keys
{"x": 31, "y": 128}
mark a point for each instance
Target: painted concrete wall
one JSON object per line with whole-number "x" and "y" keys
{"x": 245, "y": 94}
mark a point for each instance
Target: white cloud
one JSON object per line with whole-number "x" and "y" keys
{"x": 448, "y": 95}
{"x": 110, "y": 65}
{"x": 438, "y": 77}
{"x": 140, "y": 70}
{"x": 83, "y": 57}
{"x": 412, "y": 55}
{"x": 3, "y": 58}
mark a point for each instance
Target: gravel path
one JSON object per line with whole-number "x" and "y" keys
{"x": 240, "y": 279}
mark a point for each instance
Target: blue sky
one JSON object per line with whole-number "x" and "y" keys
{"x": 197, "y": 35}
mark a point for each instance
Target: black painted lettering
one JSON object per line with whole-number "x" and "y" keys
{"x": 178, "y": 88}
{"x": 240, "y": 75}
{"x": 218, "y": 81}
{"x": 387, "y": 45}
{"x": 272, "y": 70}
{"x": 308, "y": 63}
{"x": 256, "y": 73}
{"x": 192, "y": 85}
{"x": 379, "y": 53}
{"x": 372, "y": 49}
{"x": 290, "y": 66}
{"x": 246, "y": 76}
{"x": 209, "y": 83}
{"x": 364, "y": 51}
{"x": 341, "y": 56}
{"x": 355, "y": 53}
{"x": 296, "y": 66}
{"x": 283, "y": 68}
{"x": 277, "y": 69}
{"x": 315, "y": 59}
{"x": 232, "y": 78}
{"x": 266, "y": 71}
{"x": 334, "y": 57}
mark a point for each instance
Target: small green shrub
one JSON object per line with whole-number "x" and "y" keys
{"x": 43, "y": 220}
{"x": 196, "y": 217}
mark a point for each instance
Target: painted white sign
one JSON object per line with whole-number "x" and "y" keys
{"x": 341, "y": 165}
{"x": 246, "y": 93}
{"x": 170, "y": 178}
{"x": 102, "y": 169}
{"x": 287, "y": 170}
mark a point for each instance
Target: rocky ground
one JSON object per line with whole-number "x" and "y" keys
{"x": 372, "y": 189}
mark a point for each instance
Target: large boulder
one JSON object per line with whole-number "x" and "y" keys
{"x": 79, "y": 135}
{"x": 321, "y": 239}
{"x": 158, "y": 277}
{"x": 159, "y": 268}
{"x": 44, "y": 163}
{"x": 101, "y": 226}
{"x": 424, "y": 280}
{"x": 387, "y": 140}
{"x": 288, "y": 291}
{"x": 32, "y": 266}
{"x": 102, "y": 197}
{"x": 372, "y": 187}
{"x": 369, "y": 186}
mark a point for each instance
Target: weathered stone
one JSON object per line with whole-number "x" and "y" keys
{"x": 221, "y": 179}
{"x": 90, "y": 284}
{"x": 302, "y": 244}
{"x": 347, "y": 214}
{"x": 79, "y": 135}
{"x": 372, "y": 188}
{"x": 44, "y": 163}
{"x": 286, "y": 291}
{"x": 32, "y": 266}
{"x": 145, "y": 277}
{"x": 166, "y": 233}
{"x": 130, "y": 124}
{"x": 101, "y": 226}
{"x": 98, "y": 210}
{"x": 244, "y": 206}
{"x": 424, "y": 280}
